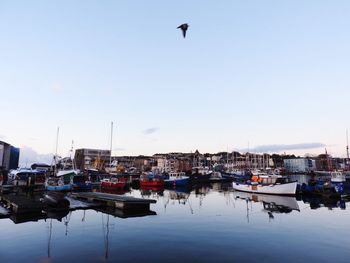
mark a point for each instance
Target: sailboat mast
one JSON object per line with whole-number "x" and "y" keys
{"x": 58, "y": 130}
{"x": 227, "y": 158}
{"x": 347, "y": 145}
{"x": 110, "y": 158}
{"x": 71, "y": 153}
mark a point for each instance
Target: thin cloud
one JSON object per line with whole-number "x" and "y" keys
{"x": 3, "y": 137}
{"x": 285, "y": 147}
{"x": 150, "y": 130}
{"x": 119, "y": 149}
{"x": 57, "y": 88}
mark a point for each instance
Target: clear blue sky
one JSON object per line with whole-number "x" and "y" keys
{"x": 263, "y": 72}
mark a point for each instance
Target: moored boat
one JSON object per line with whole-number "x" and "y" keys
{"x": 267, "y": 184}
{"x": 56, "y": 184}
{"x": 26, "y": 177}
{"x": 200, "y": 175}
{"x": 81, "y": 183}
{"x": 177, "y": 179}
{"x": 63, "y": 181}
{"x": 151, "y": 180}
{"x": 113, "y": 183}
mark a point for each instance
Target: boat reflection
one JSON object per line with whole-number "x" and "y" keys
{"x": 34, "y": 217}
{"x": 271, "y": 203}
{"x": 319, "y": 202}
{"x": 154, "y": 191}
{"x": 116, "y": 191}
{"x": 177, "y": 196}
{"x": 125, "y": 214}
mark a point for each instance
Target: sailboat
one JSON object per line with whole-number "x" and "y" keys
{"x": 62, "y": 180}
{"x": 113, "y": 182}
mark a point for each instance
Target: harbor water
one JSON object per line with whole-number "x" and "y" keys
{"x": 209, "y": 223}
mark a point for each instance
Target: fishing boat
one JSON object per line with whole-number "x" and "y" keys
{"x": 177, "y": 179}
{"x": 81, "y": 182}
{"x": 26, "y": 177}
{"x": 113, "y": 183}
{"x": 63, "y": 181}
{"x": 201, "y": 175}
{"x": 267, "y": 184}
{"x": 322, "y": 187}
{"x": 151, "y": 180}
{"x": 235, "y": 175}
{"x": 337, "y": 177}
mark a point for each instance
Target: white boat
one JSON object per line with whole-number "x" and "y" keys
{"x": 26, "y": 177}
{"x": 335, "y": 176}
{"x": 338, "y": 177}
{"x": 267, "y": 184}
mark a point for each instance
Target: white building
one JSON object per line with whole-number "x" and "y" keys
{"x": 300, "y": 165}
{"x": 167, "y": 165}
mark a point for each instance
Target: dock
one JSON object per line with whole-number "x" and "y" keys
{"x": 21, "y": 204}
{"x": 117, "y": 201}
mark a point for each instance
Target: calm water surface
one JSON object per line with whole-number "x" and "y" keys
{"x": 208, "y": 224}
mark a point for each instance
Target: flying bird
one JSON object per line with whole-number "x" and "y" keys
{"x": 184, "y": 28}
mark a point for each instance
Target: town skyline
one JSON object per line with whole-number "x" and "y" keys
{"x": 29, "y": 156}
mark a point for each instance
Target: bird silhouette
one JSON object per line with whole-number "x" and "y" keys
{"x": 184, "y": 28}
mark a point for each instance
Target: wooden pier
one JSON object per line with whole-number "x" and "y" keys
{"x": 117, "y": 201}
{"x": 21, "y": 204}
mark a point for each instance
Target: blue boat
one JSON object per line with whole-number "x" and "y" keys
{"x": 235, "y": 176}
{"x": 60, "y": 188}
{"x": 61, "y": 182}
{"x": 82, "y": 183}
{"x": 321, "y": 187}
{"x": 177, "y": 180}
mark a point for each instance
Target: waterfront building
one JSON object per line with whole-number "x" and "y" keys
{"x": 9, "y": 156}
{"x": 144, "y": 163}
{"x": 325, "y": 162}
{"x": 299, "y": 165}
{"x": 91, "y": 158}
{"x": 168, "y": 165}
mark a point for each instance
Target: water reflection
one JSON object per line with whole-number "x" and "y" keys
{"x": 271, "y": 204}
{"x": 319, "y": 202}
{"x": 152, "y": 191}
{"x": 207, "y": 223}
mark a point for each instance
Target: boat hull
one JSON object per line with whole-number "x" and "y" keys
{"x": 146, "y": 183}
{"x": 273, "y": 189}
{"x": 82, "y": 186}
{"x": 113, "y": 185}
{"x": 66, "y": 187}
{"x": 177, "y": 182}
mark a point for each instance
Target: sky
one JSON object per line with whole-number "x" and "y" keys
{"x": 249, "y": 75}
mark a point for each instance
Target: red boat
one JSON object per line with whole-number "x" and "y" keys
{"x": 113, "y": 183}
{"x": 151, "y": 182}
